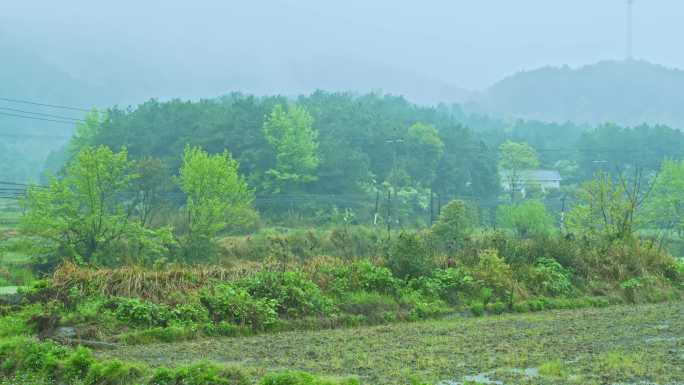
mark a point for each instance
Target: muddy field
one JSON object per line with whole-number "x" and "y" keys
{"x": 615, "y": 345}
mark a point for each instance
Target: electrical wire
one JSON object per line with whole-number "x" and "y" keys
{"x": 76, "y": 120}
{"x": 44, "y": 104}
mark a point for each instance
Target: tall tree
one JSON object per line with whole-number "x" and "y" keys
{"x": 81, "y": 215}
{"x": 514, "y": 158}
{"x": 665, "y": 207}
{"x": 217, "y": 197}
{"x": 290, "y": 133}
{"x": 426, "y": 149}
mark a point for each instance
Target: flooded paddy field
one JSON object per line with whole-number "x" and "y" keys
{"x": 642, "y": 344}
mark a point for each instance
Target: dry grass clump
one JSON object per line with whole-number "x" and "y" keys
{"x": 157, "y": 284}
{"x": 135, "y": 281}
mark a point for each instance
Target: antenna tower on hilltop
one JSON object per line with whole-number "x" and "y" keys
{"x": 630, "y": 27}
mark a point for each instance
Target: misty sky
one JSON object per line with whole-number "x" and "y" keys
{"x": 205, "y": 47}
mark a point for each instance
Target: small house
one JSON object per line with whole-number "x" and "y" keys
{"x": 545, "y": 180}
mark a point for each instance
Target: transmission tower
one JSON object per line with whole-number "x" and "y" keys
{"x": 630, "y": 27}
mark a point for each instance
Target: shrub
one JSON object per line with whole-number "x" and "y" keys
{"x": 446, "y": 284}
{"x": 634, "y": 287}
{"x": 409, "y": 257}
{"x": 113, "y": 373}
{"x": 552, "y": 369}
{"x": 550, "y": 278}
{"x": 141, "y": 313}
{"x": 527, "y": 219}
{"x": 496, "y": 307}
{"x": 455, "y": 222}
{"x": 24, "y": 355}
{"x": 362, "y": 276}
{"x": 190, "y": 313}
{"x": 78, "y": 363}
{"x": 477, "y": 309}
{"x": 521, "y": 307}
{"x": 301, "y": 378}
{"x": 421, "y": 307}
{"x": 294, "y": 295}
{"x": 199, "y": 374}
{"x": 236, "y": 305}
{"x": 492, "y": 271}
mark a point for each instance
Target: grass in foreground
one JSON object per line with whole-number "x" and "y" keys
{"x": 623, "y": 344}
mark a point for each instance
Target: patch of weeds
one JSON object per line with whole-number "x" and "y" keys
{"x": 553, "y": 368}
{"x": 619, "y": 365}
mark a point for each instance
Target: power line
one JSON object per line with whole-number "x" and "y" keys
{"x": 42, "y": 114}
{"x": 44, "y": 104}
{"x": 56, "y": 137}
{"x": 37, "y": 118}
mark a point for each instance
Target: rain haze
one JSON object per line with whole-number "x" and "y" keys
{"x": 341, "y": 192}
{"x": 430, "y": 51}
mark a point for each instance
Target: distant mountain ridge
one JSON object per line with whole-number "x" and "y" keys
{"x": 624, "y": 92}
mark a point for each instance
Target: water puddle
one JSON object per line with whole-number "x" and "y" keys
{"x": 486, "y": 377}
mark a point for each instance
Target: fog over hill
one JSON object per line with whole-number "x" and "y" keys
{"x": 83, "y": 53}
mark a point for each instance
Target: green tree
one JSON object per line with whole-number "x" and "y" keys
{"x": 514, "y": 159}
{"x": 426, "y": 149}
{"x": 527, "y": 219}
{"x": 290, "y": 133}
{"x": 455, "y": 222}
{"x": 86, "y": 132}
{"x": 665, "y": 206}
{"x": 609, "y": 207}
{"x": 151, "y": 186}
{"x": 217, "y": 198}
{"x": 82, "y": 214}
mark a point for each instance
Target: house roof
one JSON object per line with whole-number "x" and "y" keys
{"x": 536, "y": 175}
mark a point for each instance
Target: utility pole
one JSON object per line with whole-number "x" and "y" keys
{"x": 394, "y": 143}
{"x": 432, "y": 200}
{"x": 389, "y": 213}
{"x": 630, "y": 27}
{"x": 377, "y": 204}
{"x": 562, "y": 216}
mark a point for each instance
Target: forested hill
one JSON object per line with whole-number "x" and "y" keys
{"x": 624, "y": 92}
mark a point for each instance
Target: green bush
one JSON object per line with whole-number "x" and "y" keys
{"x": 409, "y": 256}
{"x": 637, "y": 287}
{"x": 527, "y": 219}
{"x": 301, "y": 378}
{"x": 78, "y": 363}
{"x": 496, "y": 307}
{"x": 137, "y": 312}
{"x": 550, "y": 278}
{"x": 449, "y": 284}
{"x": 493, "y": 272}
{"x": 477, "y": 309}
{"x": 455, "y": 222}
{"x": 236, "y": 305}
{"x": 294, "y": 295}
{"x": 362, "y": 276}
{"x": 199, "y": 374}
{"x": 24, "y": 355}
{"x": 113, "y": 373}
{"x": 422, "y": 307}
{"x": 521, "y": 307}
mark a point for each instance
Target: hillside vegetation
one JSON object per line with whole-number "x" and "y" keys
{"x": 623, "y": 92}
